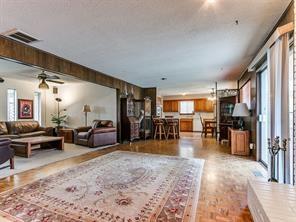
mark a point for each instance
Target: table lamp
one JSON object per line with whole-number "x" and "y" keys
{"x": 86, "y": 109}
{"x": 240, "y": 110}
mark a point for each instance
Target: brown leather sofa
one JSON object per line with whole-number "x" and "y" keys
{"x": 6, "y": 153}
{"x": 102, "y": 132}
{"x": 21, "y": 129}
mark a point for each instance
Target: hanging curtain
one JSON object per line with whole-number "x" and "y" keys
{"x": 278, "y": 66}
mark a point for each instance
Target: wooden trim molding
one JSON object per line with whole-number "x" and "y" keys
{"x": 275, "y": 36}
{"x": 28, "y": 55}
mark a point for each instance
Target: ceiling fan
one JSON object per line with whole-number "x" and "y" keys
{"x": 44, "y": 78}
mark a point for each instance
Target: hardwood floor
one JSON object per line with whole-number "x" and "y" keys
{"x": 223, "y": 189}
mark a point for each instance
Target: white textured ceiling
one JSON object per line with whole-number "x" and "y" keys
{"x": 140, "y": 41}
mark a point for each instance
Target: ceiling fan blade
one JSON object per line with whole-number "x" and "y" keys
{"x": 54, "y": 81}
{"x": 52, "y": 77}
{"x": 42, "y": 76}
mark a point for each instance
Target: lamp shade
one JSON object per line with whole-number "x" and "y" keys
{"x": 86, "y": 109}
{"x": 43, "y": 85}
{"x": 240, "y": 110}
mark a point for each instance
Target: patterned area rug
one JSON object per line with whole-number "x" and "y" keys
{"x": 120, "y": 186}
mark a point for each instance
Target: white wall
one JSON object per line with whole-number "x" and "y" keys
{"x": 227, "y": 85}
{"x": 25, "y": 90}
{"x": 102, "y": 100}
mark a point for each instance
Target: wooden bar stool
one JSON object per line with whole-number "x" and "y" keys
{"x": 159, "y": 128}
{"x": 172, "y": 129}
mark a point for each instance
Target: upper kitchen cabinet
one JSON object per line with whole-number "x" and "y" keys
{"x": 199, "y": 105}
{"x": 170, "y": 106}
{"x": 209, "y": 107}
{"x": 167, "y": 106}
{"x": 175, "y": 106}
{"x": 203, "y": 105}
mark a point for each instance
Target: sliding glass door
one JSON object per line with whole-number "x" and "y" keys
{"x": 263, "y": 117}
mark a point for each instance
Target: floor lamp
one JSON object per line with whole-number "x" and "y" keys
{"x": 86, "y": 109}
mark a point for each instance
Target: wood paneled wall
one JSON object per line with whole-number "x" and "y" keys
{"x": 152, "y": 93}
{"x": 28, "y": 55}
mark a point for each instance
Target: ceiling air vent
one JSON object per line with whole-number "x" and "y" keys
{"x": 20, "y": 36}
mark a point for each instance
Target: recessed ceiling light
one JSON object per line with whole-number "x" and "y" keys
{"x": 211, "y": 1}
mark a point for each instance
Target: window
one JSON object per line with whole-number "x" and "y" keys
{"x": 186, "y": 107}
{"x": 37, "y": 106}
{"x": 11, "y": 105}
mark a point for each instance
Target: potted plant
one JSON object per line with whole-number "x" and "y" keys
{"x": 58, "y": 119}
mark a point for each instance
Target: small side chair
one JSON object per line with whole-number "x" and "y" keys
{"x": 6, "y": 153}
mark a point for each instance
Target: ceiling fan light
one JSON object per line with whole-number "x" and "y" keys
{"x": 43, "y": 85}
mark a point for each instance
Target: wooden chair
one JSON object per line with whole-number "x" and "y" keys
{"x": 207, "y": 129}
{"x": 172, "y": 128}
{"x": 159, "y": 129}
{"x": 6, "y": 153}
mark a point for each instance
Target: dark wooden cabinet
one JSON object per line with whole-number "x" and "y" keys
{"x": 128, "y": 124}
{"x": 134, "y": 123}
{"x": 226, "y": 120}
{"x": 68, "y": 135}
{"x": 186, "y": 125}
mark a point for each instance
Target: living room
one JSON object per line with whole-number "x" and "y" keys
{"x": 147, "y": 110}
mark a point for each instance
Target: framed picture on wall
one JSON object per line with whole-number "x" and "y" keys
{"x": 25, "y": 109}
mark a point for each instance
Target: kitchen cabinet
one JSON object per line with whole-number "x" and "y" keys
{"x": 203, "y": 105}
{"x": 199, "y": 105}
{"x": 209, "y": 106}
{"x": 186, "y": 125}
{"x": 175, "y": 106}
{"x": 170, "y": 106}
{"x": 167, "y": 106}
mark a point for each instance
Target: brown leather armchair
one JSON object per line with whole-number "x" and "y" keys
{"x": 6, "y": 153}
{"x": 102, "y": 132}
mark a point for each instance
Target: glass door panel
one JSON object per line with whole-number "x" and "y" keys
{"x": 263, "y": 117}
